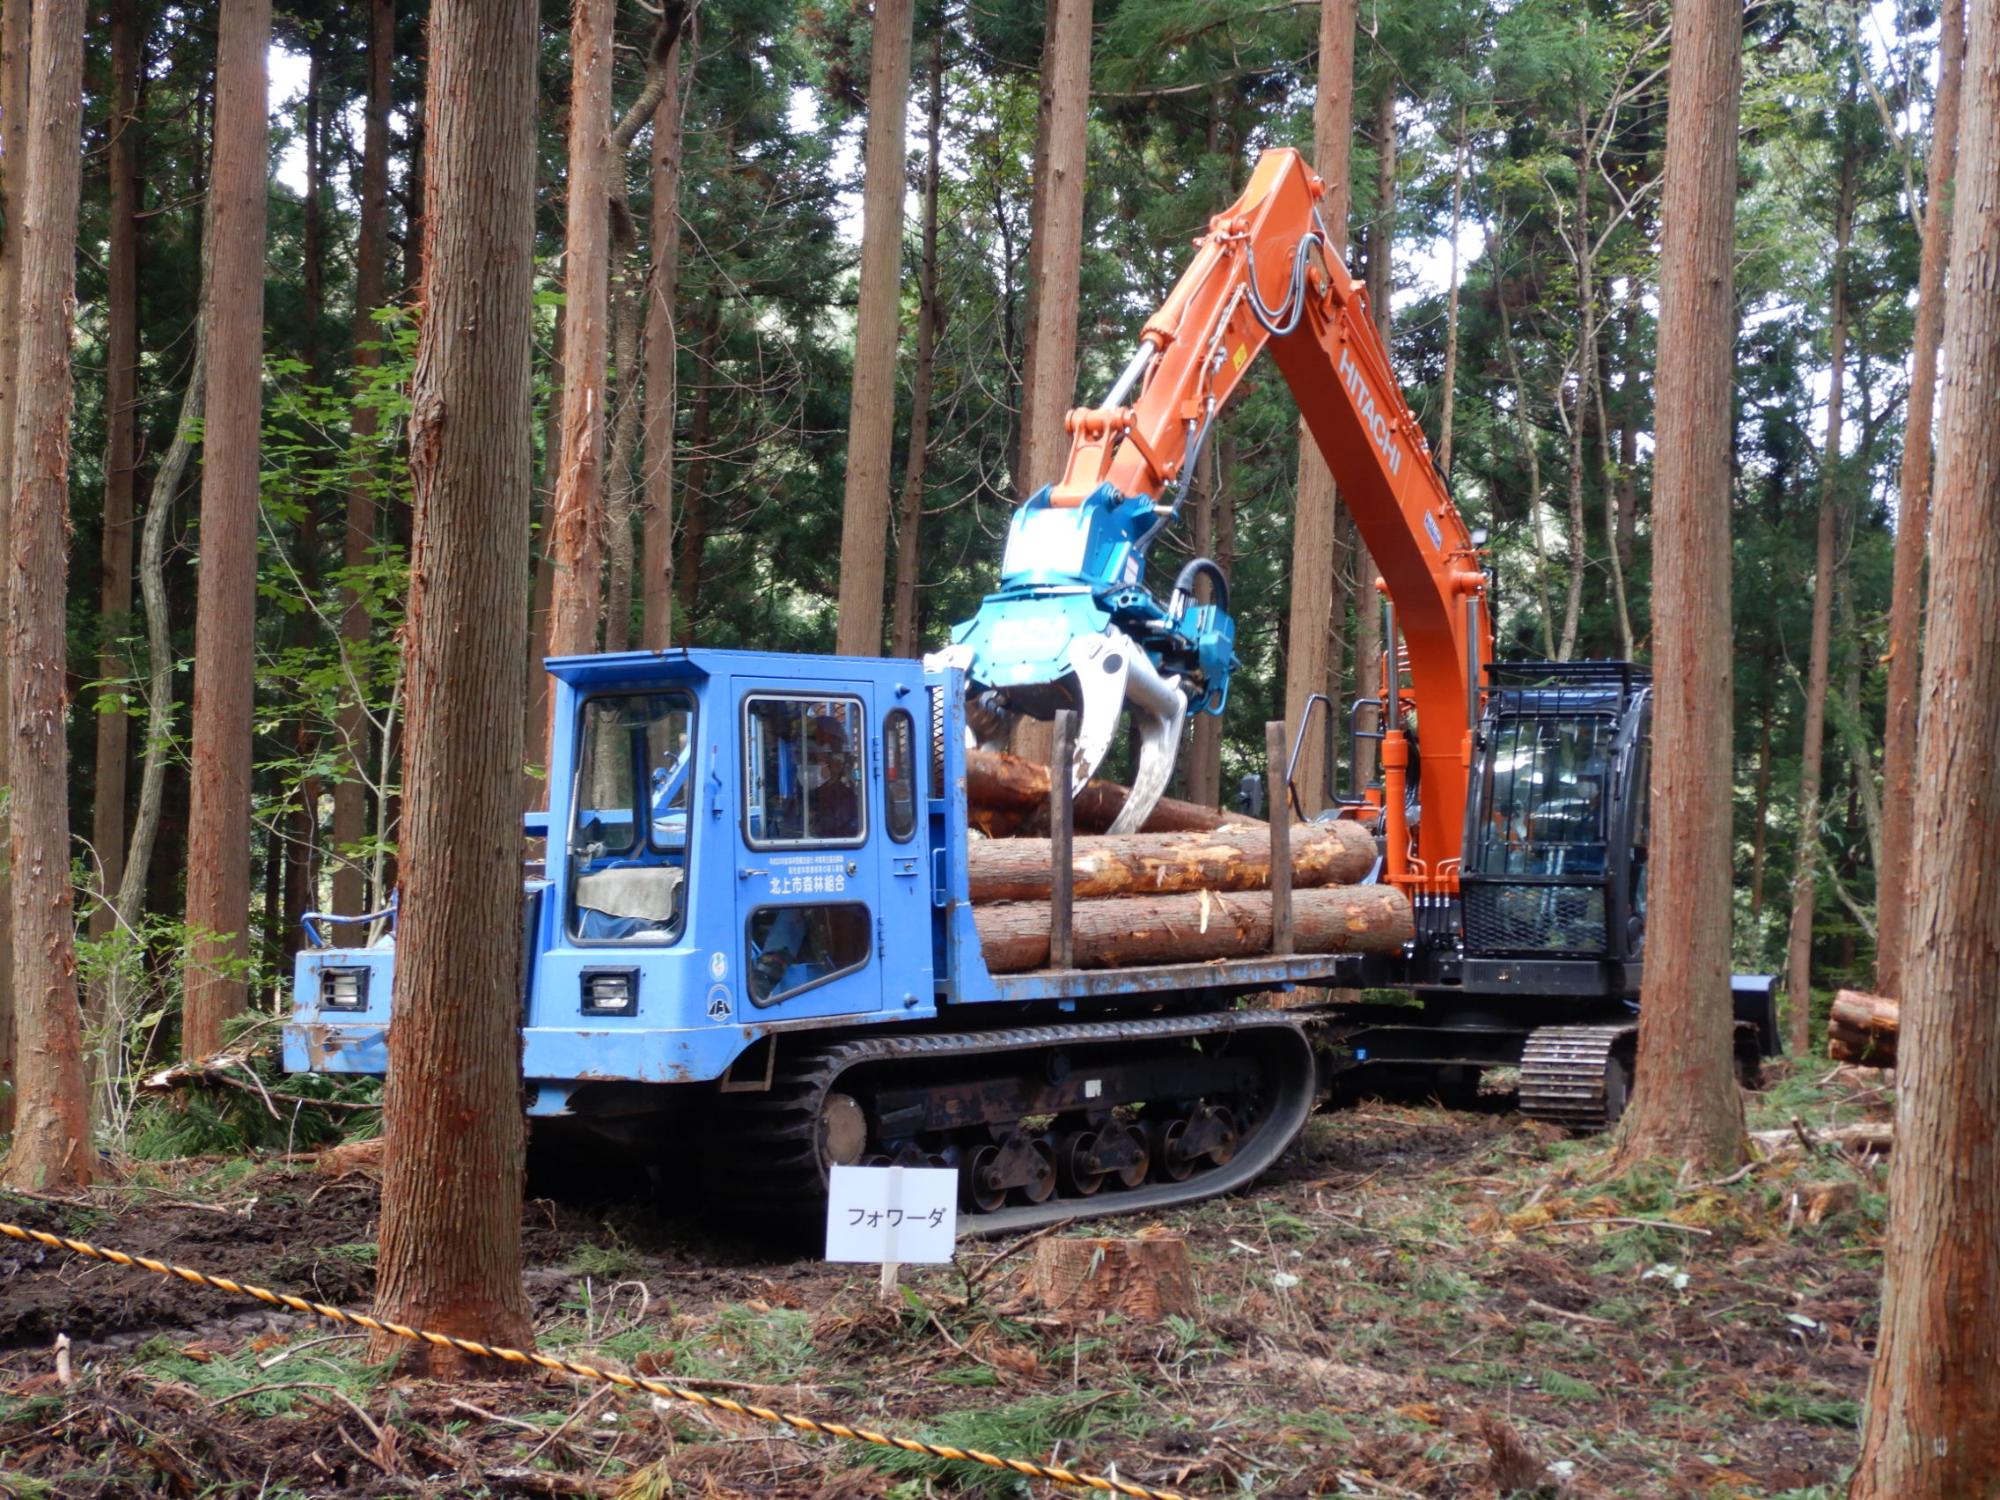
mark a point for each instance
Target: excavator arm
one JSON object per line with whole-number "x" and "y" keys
{"x": 1073, "y": 624}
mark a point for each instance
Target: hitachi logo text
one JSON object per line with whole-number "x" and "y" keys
{"x": 1377, "y": 424}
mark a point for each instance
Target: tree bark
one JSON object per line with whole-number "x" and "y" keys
{"x": 1685, "y": 1105}
{"x": 656, "y": 589}
{"x": 1906, "y": 602}
{"x": 1123, "y": 931}
{"x": 911, "y": 519}
{"x": 1055, "y": 251}
{"x": 1805, "y": 882}
{"x": 451, "y": 1191}
{"x": 1933, "y": 1427}
{"x": 1235, "y": 857}
{"x": 1317, "y": 609}
{"x": 51, "y": 1148}
{"x": 871, "y": 423}
{"x": 350, "y": 791}
{"x": 619, "y": 488}
{"x": 121, "y": 461}
{"x": 577, "y": 547}
{"x": 14, "y": 46}
{"x": 218, "y": 901}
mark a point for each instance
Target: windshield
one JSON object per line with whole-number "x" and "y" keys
{"x": 629, "y": 826}
{"x": 1545, "y": 798}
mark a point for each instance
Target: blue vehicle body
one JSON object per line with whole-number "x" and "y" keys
{"x": 678, "y": 993}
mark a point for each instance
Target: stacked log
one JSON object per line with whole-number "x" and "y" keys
{"x": 1192, "y": 887}
{"x": 1861, "y": 1028}
{"x": 1009, "y": 796}
{"x": 1235, "y": 857}
{"x": 1121, "y": 931}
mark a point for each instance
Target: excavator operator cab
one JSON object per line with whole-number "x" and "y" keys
{"x": 1555, "y": 849}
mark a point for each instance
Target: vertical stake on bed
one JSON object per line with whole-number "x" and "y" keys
{"x": 1275, "y": 741}
{"x": 1062, "y": 835}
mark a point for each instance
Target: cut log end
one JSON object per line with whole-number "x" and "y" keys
{"x": 1144, "y": 1279}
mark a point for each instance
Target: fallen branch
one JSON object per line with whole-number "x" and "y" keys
{"x": 219, "y": 1070}
{"x": 1869, "y": 1136}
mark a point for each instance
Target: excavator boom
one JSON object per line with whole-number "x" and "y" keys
{"x": 1073, "y": 623}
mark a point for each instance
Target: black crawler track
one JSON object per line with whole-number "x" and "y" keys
{"x": 1578, "y": 1076}
{"x": 772, "y": 1164}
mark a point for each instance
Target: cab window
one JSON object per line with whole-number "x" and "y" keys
{"x": 1546, "y": 796}
{"x": 794, "y": 948}
{"x": 804, "y": 772}
{"x": 629, "y": 823}
{"x": 899, "y": 775}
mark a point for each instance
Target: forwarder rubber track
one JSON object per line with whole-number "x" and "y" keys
{"x": 1042, "y": 1123}
{"x": 1578, "y": 1076}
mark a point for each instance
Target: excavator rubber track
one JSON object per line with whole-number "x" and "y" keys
{"x": 1577, "y": 1076}
{"x": 1038, "y": 1120}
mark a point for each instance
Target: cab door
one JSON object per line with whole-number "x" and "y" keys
{"x": 809, "y": 844}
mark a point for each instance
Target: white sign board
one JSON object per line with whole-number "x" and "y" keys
{"x": 891, "y": 1215}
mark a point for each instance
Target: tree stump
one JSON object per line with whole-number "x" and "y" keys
{"x": 1146, "y": 1279}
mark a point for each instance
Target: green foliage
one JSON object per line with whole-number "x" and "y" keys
{"x": 1034, "y": 1424}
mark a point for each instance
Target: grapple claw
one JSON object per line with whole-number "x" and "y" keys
{"x": 1159, "y": 712}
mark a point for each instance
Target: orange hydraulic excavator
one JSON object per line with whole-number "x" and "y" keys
{"x": 1512, "y": 801}
{"x": 1263, "y": 275}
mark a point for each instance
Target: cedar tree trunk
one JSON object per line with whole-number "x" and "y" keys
{"x": 51, "y": 1149}
{"x": 1933, "y": 1426}
{"x": 451, "y": 1188}
{"x": 350, "y": 792}
{"x": 14, "y": 16}
{"x": 1055, "y": 254}
{"x": 1805, "y": 883}
{"x": 121, "y": 457}
{"x": 577, "y": 546}
{"x": 1317, "y": 609}
{"x": 218, "y": 880}
{"x": 1906, "y": 604}
{"x": 656, "y": 588}
{"x": 1685, "y": 1106}
{"x": 871, "y": 423}
{"x": 910, "y": 522}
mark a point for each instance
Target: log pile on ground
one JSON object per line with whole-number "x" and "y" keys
{"x": 1192, "y": 887}
{"x": 1861, "y": 1028}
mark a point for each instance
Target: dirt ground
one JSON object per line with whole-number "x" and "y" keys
{"x": 1415, "y": 1303}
